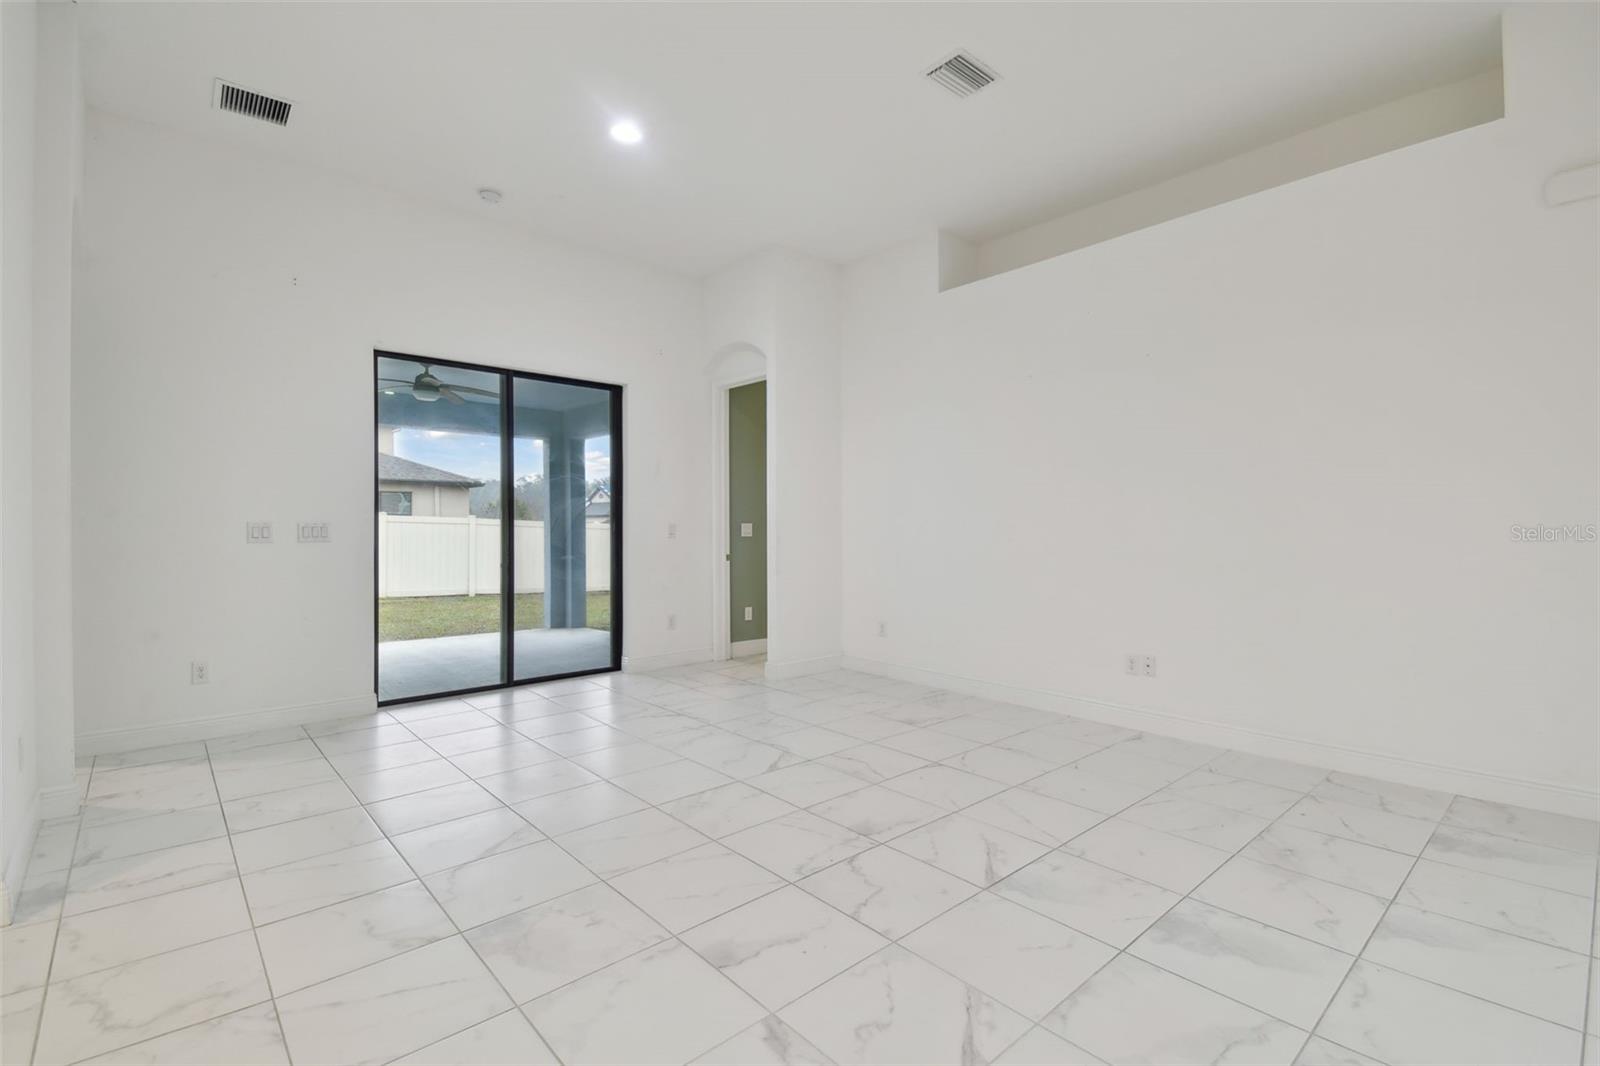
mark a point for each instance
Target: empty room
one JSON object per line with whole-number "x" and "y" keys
{"x": 815, "y": 533}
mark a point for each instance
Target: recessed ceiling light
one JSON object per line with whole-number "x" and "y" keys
{"x": 626, "y": 131}
{"x": 489, "y": 196}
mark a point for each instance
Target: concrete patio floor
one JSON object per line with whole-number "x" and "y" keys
{"x": 447, "y": 664}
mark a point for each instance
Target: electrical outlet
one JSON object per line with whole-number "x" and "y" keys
{"x": 258, "y": 532}
{"x": 672, "y": 621}
{"x": 749, "y": 614}
{"x": 1139, "y": 665}
{"x": 199, "y": 673}
{"x": 883, "y": 629}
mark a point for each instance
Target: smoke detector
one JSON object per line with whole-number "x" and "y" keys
{"x": 226, "y": 96}
{"x": 962, "y": 75}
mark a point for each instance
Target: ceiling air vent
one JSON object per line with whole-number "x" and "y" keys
{"x": 961, "y": 74}
{"x": 242, "y": 101}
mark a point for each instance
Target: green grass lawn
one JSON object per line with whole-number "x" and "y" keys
{"x": 416, "y": 617}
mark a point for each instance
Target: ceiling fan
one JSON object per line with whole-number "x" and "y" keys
{"x": 427, "y": 388}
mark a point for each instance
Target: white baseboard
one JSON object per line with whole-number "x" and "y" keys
{"x": 741, "y": 648}
{"x": 14, "y": 867}
{"x": 801, "y": 667}
{"x": 133, "y": 738}
{"x": 1541, "y": 795}
{"x": 640, "y": 664}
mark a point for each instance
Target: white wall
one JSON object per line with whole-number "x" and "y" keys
{"x": 1279, "y": 444}
{"x": 19, "y": 734}
{"x": 58, "y": 183}
{"x": 786, "y": 305}
{"x": 229, "y": 298}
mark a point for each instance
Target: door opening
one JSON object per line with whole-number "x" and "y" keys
{"x": 747, "y": 520}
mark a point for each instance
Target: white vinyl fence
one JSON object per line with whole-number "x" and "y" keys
{"x": 420, "y": 556}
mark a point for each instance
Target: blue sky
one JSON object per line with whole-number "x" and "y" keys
{"x": 478, "y": 456}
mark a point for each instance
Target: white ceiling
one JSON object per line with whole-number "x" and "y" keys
{"x": 803, "y": 125}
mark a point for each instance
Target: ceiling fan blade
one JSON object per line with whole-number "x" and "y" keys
{"x": 448, "y": 393}
{"x": 394, "y": 381}
{"x": 474, "y": 391}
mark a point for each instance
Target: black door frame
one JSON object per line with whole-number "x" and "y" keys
{"x": 507, "y": 526}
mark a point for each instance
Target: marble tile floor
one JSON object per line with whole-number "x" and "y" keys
{"x": 698, "y": 865}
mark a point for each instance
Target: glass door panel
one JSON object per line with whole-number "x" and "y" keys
{"x": 439, "y": 528}
{"x": 568, "y": 513}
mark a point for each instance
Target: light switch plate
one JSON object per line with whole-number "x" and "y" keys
{"x": 747, "y": 529}
{"x": 314, "y": 533}
{"x": 258, "y": 532}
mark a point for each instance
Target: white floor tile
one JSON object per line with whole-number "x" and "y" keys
{"x": 392, "y": 1007}
{"x": 1235, "y": 793}
{"x": 727, "y": 809}
{"x": 1534, "y": 978}
{"x": 404, "y": 780}
{"x": 872, "y": 763}
{"x": 105, "y": 884}
{"x": 275, "y": 845}
{"x": 894, "y": 1007}
{"x": 945, "y": 786}
{"x": 1344, "y": 862}
{"x": 540, "y": 948}
{"x": 531, "y": 782}
{"x": 1520, "y": 823}
{"x": 1280, "y": 974}
{"x": 1041, "y": 1047}
{"x": 1536, "y": 864}
{"x": 1364, "y": 825}
{"x": 797, "y": 844}
{"x": 1203, "y": 823}
{"x": 1084, "y": 789}
{"x": 1021, "y": 958}
{"x": 769, "y": 1042}
{"x": 477, "y": 836}
{"x": 807, "y": 783}
{"x": 629, "y": 842}
{"x": 25, "y": 952}
{"x": 686, "y": 889}
{"x": 1035, "y": 816}
{"x": 971, "y": 850}
{"x": 577, "y": 808}
{"x": 127, "y": 1004}
{"x": 1386, "y": 796}
{"x": 887, "y": 890}
{"x": 503, "y": 759}
{"x": 1318, "y": 910}
{"x": 1093, "y": 899}
{"x": 1133, "y": 1012}
{"x": 255, "y": 812}
{"x": 101, "y": 939}
{"x": 422, "y": 809}
{"x": 490, "y": 888}
{"x": 1544, "y": 914}
{"x": 503, "y": 1040}
{"x": 248, "y": 1037}
{"x": 324, "y": 943}
{"x": 296, "y": 887}
{"x": 122, "y": 839}
{"x": 664, "y": 1005}
{"x": 662, "y": 784}
{"x": 878, "y": 812}
{"x": 782, "y": 945}
{"x": 1394, "y": 1017}
{"x": 1157, "y": 857}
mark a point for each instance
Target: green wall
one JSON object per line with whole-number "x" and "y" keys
{"x": 747, "y": 502}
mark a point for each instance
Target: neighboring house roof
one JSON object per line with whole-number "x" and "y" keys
{"x": 394, "y": 468}
{"x": 598, "y": 509}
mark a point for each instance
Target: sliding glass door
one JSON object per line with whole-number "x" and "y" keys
{"x": 498, "y": 536}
